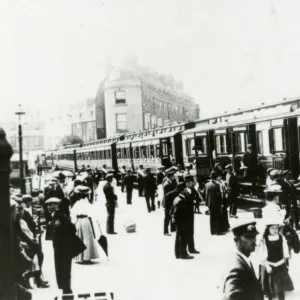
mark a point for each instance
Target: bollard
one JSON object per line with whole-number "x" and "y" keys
{"x": 7, "y": 291}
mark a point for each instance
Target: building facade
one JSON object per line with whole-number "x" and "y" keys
{"x": 136, "y": 99}
{"x": 84, "y": 121}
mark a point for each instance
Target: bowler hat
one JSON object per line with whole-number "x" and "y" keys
{"x": 148, "y": 170}
{"x": 246, "y": 229}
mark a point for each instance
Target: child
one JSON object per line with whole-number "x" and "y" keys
{"x": 274, "y": 254}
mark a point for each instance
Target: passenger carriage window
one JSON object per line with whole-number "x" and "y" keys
{"x": 144, "y": 151}
{"x": 279, "y": 139}
{"x": 221, "y": 144}
{"x": 239, "y": 142}
{"x": 259, "y": 142}
{"x": 190, "y": 143}
{"x": 151, "y": 151}
{"x": 136, "y": 152}
{"x": 157, "y": 150}
{"x": 165, "y": 149}
{"x": 103, "y": 154}
{"x": 108, "y": 154}
{"x": 119, "y": 155}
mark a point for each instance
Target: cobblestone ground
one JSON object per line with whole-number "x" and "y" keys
{"x": 142, "y": 265}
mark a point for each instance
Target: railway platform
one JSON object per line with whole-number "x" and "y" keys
{"x": 142, "y": 265}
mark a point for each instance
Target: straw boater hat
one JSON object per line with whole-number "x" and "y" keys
{"x": 53, "y": 200}
{"x": 82, "y": 189}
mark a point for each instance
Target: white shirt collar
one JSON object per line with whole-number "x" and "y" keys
{"x": 246, "y": 259}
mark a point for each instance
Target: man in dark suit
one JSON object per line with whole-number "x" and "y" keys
{"x": 233, "y": 190}
{"x": 55, "y": 191}
{"x": 249, "y": 161}
{"x": 241, "y": 282}
{"x": 213, "y": 200}
{"x": 129, "y": 183}
{"x": 150, "y": 190}
{"x": 62, "y": 230}
{"x": 191, "y": 195}
{"x": 111, "y": 201}
{"x": 140, "y": 180}
{"x": 180, "y": 214}
{"x": 169, "y": 196}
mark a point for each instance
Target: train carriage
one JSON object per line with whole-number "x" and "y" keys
{"x": 152, "y": 148}
{"x": 274, "y": 140}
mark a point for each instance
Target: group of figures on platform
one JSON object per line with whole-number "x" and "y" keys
{"x": 273, "y": 248}
{"x": 71, "y": 224}
{"x": 74, "y": 227}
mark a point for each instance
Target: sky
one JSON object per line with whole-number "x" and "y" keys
{"x": 229, "y": 53}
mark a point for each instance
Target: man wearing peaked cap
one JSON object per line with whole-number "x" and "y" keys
{"x": 241, "y": 281}
{"x": 191, "y": 196}
{"x": 169, "y": 186}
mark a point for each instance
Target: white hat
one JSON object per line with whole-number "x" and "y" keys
{"x": 52, "y": 200}
{"x": 273, "y": 221}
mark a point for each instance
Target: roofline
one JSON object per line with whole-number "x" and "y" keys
{"x": 250, "y": 109}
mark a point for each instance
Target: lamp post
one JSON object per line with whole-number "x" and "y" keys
{"x": 20, "y": 113}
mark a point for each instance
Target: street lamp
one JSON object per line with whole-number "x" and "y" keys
{"x": 20, "y": 113}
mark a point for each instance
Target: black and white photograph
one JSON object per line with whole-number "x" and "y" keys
{"x": 149, "y": 150}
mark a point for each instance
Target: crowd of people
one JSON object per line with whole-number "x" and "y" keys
{"x": 67, "y": 208}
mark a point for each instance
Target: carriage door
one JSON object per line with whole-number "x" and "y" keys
{"x": 166, "y": 152}
{"x": 292, "y": 144}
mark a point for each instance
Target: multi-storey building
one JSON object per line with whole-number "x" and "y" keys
{"x": 136, "y": 99}
{"x": 84, "y": 121}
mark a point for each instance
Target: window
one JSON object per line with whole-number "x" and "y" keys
{"x": 279, "y": 139}
{"x": 157, "y": 150}
{"x": 151, "y": 151}
{"x": 144, "y": 151}
{"x": 201, "y": 145}
{"x": 165, "y": 149}
{"x": 121, "y": 122}
{"x": 221, "y": 144}
{"x": 119, "y": 153}
{"x": 136, "y": 152}
{"x": 159, "y": 122}
{"x": 92, "y": 113}
{"x": 146, "y": 121}
{"x": 120, "y": 97}
{"x": 259, "y": 142}
{"x": 153, "y": 121}
{"x": 239, "y": 142}
{"x": 190, "y": 143}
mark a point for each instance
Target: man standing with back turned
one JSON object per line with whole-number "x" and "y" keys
{"x": 241, "y": 282}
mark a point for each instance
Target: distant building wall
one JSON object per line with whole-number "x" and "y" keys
{"x": 123, "y": 106}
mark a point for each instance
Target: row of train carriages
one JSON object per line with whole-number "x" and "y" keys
{"x": 274, "y": 138}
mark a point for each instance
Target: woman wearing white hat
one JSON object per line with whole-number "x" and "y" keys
{"x": 273, "y": 254}
{"x": 84, "y": 218}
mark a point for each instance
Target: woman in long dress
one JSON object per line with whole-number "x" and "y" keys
{"x": 84, "y": 217}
